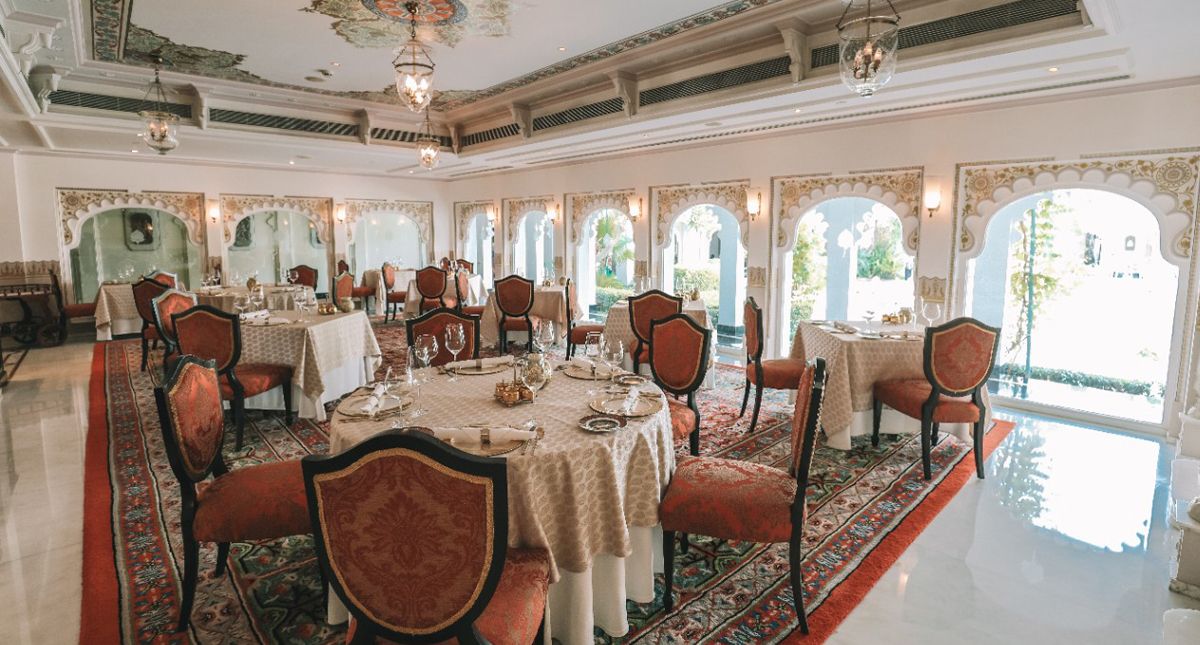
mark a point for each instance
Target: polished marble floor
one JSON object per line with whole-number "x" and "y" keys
{"x": 1065, "y": 542}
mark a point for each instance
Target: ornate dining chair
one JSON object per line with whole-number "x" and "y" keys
{"x": 305, "y": 276}
{"x": 434, "y": 323}
{"x": 395, "y": 299}
{"x": 444, "y": 263}
{"x": 514, "y": 299}
{"x": 343, "y": 286}
{"x": 343, "y": 266}
{"x": 431, "y": 285}
{"x": 679, "y": 365}
{"x": 776, "y": 374}
{"x": 958, "y": 359}
{"x": 212, "y": 334}
{"x": 731, "y": 499}
{"x": 171, "y": 302}
{"x": 577, "y": 333}
{"x": 455, "y": 577}
{"x": 144, "y": 293}
{"x": 229, "y": 508}
{"x": 468, "y": 265}
{"x": 73, "y": 310}
{"x": 364, "y": 294}
{"x": 644, "y": 309}
{"x": 462, "y": 284}
{"x": 167, "y": 278}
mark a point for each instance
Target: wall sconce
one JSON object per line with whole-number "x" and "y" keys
{"x": 635, "y": 209}
{"x": 552, "y": 212}
{"x": 339, "y": 211}
{"x": 214, "y": 211}
{"x": 753, "y": 204}
{"x": 933, "y": 200}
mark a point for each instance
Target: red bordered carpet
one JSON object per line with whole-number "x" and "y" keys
{"x": 868, "y": 505}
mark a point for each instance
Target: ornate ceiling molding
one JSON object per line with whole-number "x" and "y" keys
{"x": 77, "y": 205}
{"x": 464, "y": 212}
{"x": 900, "y": 190}
{"x": 673, "y": 201}
{"x": 516, "y": 209}
{"x": 316, "y": 209}
{"x": 421, "y": 213}
{"x": 580, "y": 206}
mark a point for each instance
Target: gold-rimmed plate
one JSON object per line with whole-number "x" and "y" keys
{"x": 601, "y": 423}
{"x": 480, "y": 371}
{"x": 585, "y": 374}
{"x": 351, "y": 406}
{"x": 630, "y": 380}
{"x": 615, "y": 406}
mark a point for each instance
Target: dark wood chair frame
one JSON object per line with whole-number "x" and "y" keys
{"x": 338, "y": 278}
{"x": 756, "y": 360}
{"x": 929, "y": 429}
{"x": 570, "y": 321}
{"x": 238, "y": 403}
{"x": 796, "y": 540}
{"x": 468, "y": 321}
{"x": 343, "y": 266}
{"x": 441, "y": 295}
{"x": 505, "y": 315}
{"x": 642, "y": 342}
{"x": 690, "y": 390}
{"x": 301, "y": 268}
{"x": 170, "y": 343}
{"x": 148, "y": 322}
{"x": 389, "y": 308}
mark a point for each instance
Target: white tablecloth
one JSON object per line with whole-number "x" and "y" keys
{"x": 549, "y": 303}
{"x": 116, "y": 314}
{"x": 225, "y": 298}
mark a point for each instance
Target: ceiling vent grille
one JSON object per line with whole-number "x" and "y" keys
{"x": 501, "y": 132}
{"x": 581, "y": 113}
{"x": 1002, "y": 16}
{"x": 751, "y": 73}
{"x": 234, "y": 117}
{"x": 114, "y": 103}
{"x": 470, "y": 173}
{"x": 402, "y": 136}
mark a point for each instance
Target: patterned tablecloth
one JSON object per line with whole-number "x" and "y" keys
{"x": 276, "y": 298}
{"x": 591, "y": 499}
{"x": 329, "y": 356}
{"x": 549, "y": 303}
{"x": 854, "y": 364}
{"x": 116, "y": 314}
{"x": 412, "y": 301}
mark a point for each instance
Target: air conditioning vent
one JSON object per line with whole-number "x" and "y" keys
{"x": 581, "y": 113}
{"x": 291, "y": 124}
{"x": 1002, "y": 16}
{"x": 403, "y": 136}
{"x": 501, "y": 132}
{"x": 751, "y": 73}
{"x": 480, "y": 172}
{"x": 114, "y": 103}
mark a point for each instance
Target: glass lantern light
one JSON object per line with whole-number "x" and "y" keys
{"x": 158, "y": 130}
{"x": 867, "y": 51}
{"x": 429, "y": 146}
{"x": 414, "y": 67}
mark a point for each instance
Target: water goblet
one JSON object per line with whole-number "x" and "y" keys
{"x": 456, "y": 341}
{"x": 932, "y": 312}
{"x": 614, "y": 356}
{"x": 592, "y": 349}
{"x": 426, "y": 346}
{"x": 545, "y": 337}
{"x": 869, "y": 315}
{"x": 534, "y": 375}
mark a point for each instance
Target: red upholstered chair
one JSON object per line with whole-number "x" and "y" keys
{"x": 167, "y": 278}
{"x": 343, "y": 286}
{"x": 462, "y": 287}
{"x": 431, "y": 285}
{"x": 71, "y": 311}
{"x": 452, "y": 574}
{"x": 435, "y": 322}
{"x": 644, "y": 309}
{"x": 959, "y": 357}
{"x": 577, "y": 333}
{"x": 171, "y": 302}
{"x": 467, "y": 265}
{"x": 343, "y": 266}
{"x": 261, "y": 502}
{"x": 305, "y": 276}
{"x": 732, "y": 499}
{"x": 395, "y": 299}
{"x": 144, "y": 293}
{"x": 445, "y": 263}
{"x": 776, "y": 374}
{"x": 679, "y": 364}
{"x": 514, "y": 299}
{"x": 363, "y": 294}
{"x": 212, "y": 334}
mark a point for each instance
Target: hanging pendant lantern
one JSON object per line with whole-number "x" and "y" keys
{"x": 414, "y": 67}
{"x": 867, "y": 51}
{"x": 429, "y": 146}
{"x": 159, "y": 125}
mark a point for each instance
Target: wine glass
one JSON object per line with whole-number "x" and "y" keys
{"x": 614, "y": 356}
{"x": 256, "y": 298}
{"x": 869, "y": 315}
{"x": 240, "y": 303}
{"x": 534, "y": 376}
{"x": 593, "y": 346}
{"x": 456, "y": 341}
{"x": 426, "y": 346}
{"x": 545, "y": 336}
{"x": 932, "y": 312}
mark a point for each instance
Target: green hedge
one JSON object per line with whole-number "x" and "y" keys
{"x": 606, "y": 296}
{"x": 1016, "y": 373}
{"x": 702, "y": 279}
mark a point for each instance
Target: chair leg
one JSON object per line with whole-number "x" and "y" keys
{"x": 191, "y": 564}
{"x": 222, "y": 556}
{"x": 758, "y": 392}
{"x": 683, "y": 543}
{"x": 878, "y": 414}
{"x": 239, "y": 417}
{"x": 926, "y": 432}
{"x": 937, "y": 433}
{"x": 288, "y": 414}
{"x": 145, "y": 350}
{"x": 979, "y": 446}
{"x": 745, "y": 398}
{"x": 797, "y": 579}
{"x": 668, "y": 570}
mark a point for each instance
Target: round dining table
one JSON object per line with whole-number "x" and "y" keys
{"x": 590, "y": 499}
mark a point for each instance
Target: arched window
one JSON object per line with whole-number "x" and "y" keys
{"x": 386, "y": 237}
{"x": 604, "y": 261}
{"x": 533, "y": 248}
{"x": 478, "y": 249}
{"x": 709, "y": 258}
{"x": 124, "y": 243}
{"x": 272, "y": 243}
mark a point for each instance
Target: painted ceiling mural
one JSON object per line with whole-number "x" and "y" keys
{"x": 375, "y": 24}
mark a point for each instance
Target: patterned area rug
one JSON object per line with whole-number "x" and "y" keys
{"x": 868, "y": 504}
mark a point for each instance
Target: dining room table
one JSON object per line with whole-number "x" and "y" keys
{"x": 116, "y": 313}
{"x": 330, "y": 356}
{"x": 549, "y": 303}
{"x": 275, "y": 297}
{"x": 857, "y": 355}
{"x": 590, "y": 498}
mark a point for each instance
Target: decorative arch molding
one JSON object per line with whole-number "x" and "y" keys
{"x": 421, "y": 213}
{"x": 1165, "y": 185}
{"x": 464, "y": 212}
{"x": 234, "y": 208}
{"x": 516, "y": 209}
{"x": 77, "y": 205}
{"x": 900, "y": 190}
{"x": 673, "y": 201}
{"x": 580, "y": 207}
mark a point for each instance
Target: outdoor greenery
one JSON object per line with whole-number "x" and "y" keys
{"x": 1015, "y": 372}
{"x": 879, "y": 253}
{"x": 1039, "y": 269}
{"x": 613, "y": 243}
{"x": 808, "y": 272}
{"x": 703, "y": 279}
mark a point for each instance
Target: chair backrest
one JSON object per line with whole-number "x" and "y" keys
{"x": 514, "y": 296}
{"x": 343, "y": 266}
{"x": 679, "y": 349}
{"x": 648, "y": 307}
{"x": 305, "y": 275}
{"x": 806, "y": 423}
{"x": 462, "y": 284}
{"x": 389, "y": 276}
{"x": 192, "y": 420}
{"x": 144, "y": 293}
{"x": 343, "y": 285}
{"x": 468, "y": 265}
{"x": 434, "y": 323}
{"x": 167, "y": 278}
{"x": 210, "y": 334}
{"x": 445, "y": 264}
{"x": 172, "y": 301}
{"x": 959, "y": 355}
{"x": 431, "y": 282}
{"x": 567, "y": 295}
{"x": 444, "y": 569}
{"x": 752, "y": 322}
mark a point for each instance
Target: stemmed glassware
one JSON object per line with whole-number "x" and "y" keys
{"x": 869, "y": 315}
{"x": 240, "y": 303}
{"x": 257, "y": 297}
{"x": 593, "y": 349}
{"x": 413, "y": 383}
{"x": 456, "y": 341}
{"x": 545, "y": 337}
{"x": 931, "y": 312}
{"x": 534, "y": 376}
{"x": 426, "y": 347}
{"x": 614, "y": 356}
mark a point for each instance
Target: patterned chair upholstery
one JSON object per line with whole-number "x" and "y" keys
{"x": 212, "y": 334}
{"x": 171, "y": 302}
{"x": 305, "y": 276}
{"x": 739, "y": 500}
{"x": 144, "y": 293}
{"x": 514, "y": 300}
{"x": 431, "y": 285}
{"x": 435, "y": 322}
{"x": 395, "y": 299}
{"x": 776, "y": 374}
{"x": 167, "y": 278}
{"x": 229, "y": 508}
{"x": 679, "y": 364}
{"x": 343, "y": 286}
{"x": 455, "y": 578}
{"x": 462, "y": 286}
{"x": 644, "y": 309}
{"x": 577, "y": 332}
{"x": 958, "y": 359}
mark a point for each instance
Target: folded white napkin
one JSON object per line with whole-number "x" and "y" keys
{"x": 631, "y": 400}
{"x": 480, "y": 363}
{"x": 277, "y": 320}
{"x": 472, "y": 435}
{"x": 841, "y": 326}
{"x": 372, "y": 403}
{"x": 262, "y": 314}
{"x": 586, "y": 365}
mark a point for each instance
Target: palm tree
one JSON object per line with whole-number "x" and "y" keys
{"x": 613, "y": 243}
